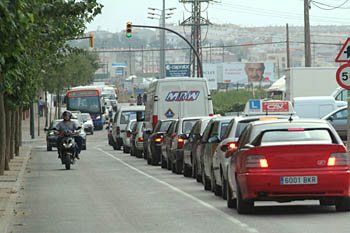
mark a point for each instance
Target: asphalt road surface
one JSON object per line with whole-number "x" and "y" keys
{"x": 108, "y": 191}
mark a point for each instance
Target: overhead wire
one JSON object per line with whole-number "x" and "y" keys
{"x": 316, "y": 3}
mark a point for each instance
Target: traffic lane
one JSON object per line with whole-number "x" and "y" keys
{"x": 101, "y": 194}
{"x": 268, "y": 216}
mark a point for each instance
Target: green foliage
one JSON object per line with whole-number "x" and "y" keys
{"x": 33, "y": 40}
{"x": 234, "y": 101}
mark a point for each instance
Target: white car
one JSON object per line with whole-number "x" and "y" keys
{"x": 86, "y": 122}
{"x": 126, "y": 137}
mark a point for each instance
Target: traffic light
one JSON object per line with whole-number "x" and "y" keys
{"x": 91, "y": 42}
{"x": 128, "y": 29}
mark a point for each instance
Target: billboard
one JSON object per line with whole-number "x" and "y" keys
{"x": 248, "y": 72}
{"x": 177, "y": 70}
{"x": 210, "y": 74}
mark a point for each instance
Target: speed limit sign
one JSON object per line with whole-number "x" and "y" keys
{"x": 343, "y": 76}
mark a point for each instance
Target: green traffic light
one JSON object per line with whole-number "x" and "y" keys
{"x": 128, "y": 35}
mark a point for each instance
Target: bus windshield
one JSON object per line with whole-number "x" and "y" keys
{"x": 88, "y": 104}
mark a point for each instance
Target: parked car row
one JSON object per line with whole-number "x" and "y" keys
{"x": 266, "y": 155}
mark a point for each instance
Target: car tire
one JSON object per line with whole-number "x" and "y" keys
{"x": 214, "y": 187}
{"x": 187, "y": 170}
{"x": 342, "y": 204}
{"x": 149, "y": 160}
{"x": 163, "y": 162}
{"x": 198, "y": 176}
{"x": 178, "y": 166}
{"x": 206, "y": 181}
{"x": 223, "y": 187}
{"x": 84, "y": 147}
{"x": 92, "y": 132}
{"x": 49, "y": 148}
{"x": 169, "y": 165}
{"x": 327, "y": 202}
{"x": 243, "y": 207}
{"x": 138, "y": 153}
{"x": 231, "y": 203}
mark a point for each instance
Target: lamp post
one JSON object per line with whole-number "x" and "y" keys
{"x": 162, "y": 35}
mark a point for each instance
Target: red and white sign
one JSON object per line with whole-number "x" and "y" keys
{"x": 344, "y": 54}
{"x": 274, "y": 106}
{"x": 343, "y": 76}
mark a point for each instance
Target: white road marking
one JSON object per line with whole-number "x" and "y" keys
{"x": 223, "y": 214}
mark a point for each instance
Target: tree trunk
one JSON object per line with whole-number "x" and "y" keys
{"x": 20, "y": 126}
{"x": 8, "y": 137}
{"x": 2, "y": 135}
{"x": 18, "y": 130}
{"x": 13, "y": 130}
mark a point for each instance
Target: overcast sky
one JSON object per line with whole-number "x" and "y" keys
{"x": 116, "y": 13}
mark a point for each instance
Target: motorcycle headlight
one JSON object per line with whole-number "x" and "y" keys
{"x": 98, "y": 117}
{"x": 51, "y": 133}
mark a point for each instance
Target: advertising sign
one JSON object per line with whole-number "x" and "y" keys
{"x": 248, "y": 72}
{"x": 210, "y": 74}
{"x": 275, "y": 106}
{"x": 177, "y": 70}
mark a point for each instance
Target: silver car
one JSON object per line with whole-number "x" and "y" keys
{"x": 338, "y": 119}
{"x": 126, "y": 137}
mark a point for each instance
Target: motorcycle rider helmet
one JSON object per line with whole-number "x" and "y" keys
{"x": 66, "y": 113}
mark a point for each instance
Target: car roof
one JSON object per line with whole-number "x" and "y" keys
{"x": 135, "y": 107}
{"x": 322, "y": 123}
{"x": 336, "y": 110}
{"x": 252, "y": 117}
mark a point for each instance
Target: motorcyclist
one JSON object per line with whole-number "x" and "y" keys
{"x": 72, "y": 126}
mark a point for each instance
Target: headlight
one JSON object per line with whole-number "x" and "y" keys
{"x": 98, "y": 117}
{"x": 51, "y": 133}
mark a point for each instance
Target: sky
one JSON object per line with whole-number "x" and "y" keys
{"x": 245, "y": 13}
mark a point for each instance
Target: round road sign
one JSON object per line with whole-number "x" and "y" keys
{"x": 343, "y": 76}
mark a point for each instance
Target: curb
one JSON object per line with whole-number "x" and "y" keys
{"x": 15, "y": 187}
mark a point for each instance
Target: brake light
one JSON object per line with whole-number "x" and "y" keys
{"x": 110, "y": 132}
{"x": 158, "y": 140}
{"x": 296, "y": 129}
{"x": 180, "y": 143}
{"x": 211, "y": 114}
{"x": 338, "y": 159}
{"x": 232, "y": 145}
{"x": 154, "y": 120}
{"x": 256, "y": 161}
{"x": 128, "y": 134}
{"x": 231, "y": 148}
{"x": 140, "y": 139}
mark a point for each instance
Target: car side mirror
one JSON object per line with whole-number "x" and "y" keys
{"x": 46, "y": 129}
{"x": 331, "y": 118}
{"x": 103, "y": 109}
{"x": 115, "y": 108}
{"x": 79, "y": 127}
{"x": 214, "y": 139}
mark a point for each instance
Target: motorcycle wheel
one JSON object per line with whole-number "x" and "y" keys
{"x": 67, "y": 161}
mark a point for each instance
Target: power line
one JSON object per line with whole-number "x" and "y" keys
{"x": 315, "y": 3}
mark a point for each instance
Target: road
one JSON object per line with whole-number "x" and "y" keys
{"x": 108, "y": 191}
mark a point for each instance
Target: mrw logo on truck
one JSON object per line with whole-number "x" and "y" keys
{"x": 182, "y": 96}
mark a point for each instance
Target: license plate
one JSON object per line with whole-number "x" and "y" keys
{"x": 298, "y": 180}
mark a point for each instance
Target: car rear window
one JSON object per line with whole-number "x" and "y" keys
{"x": 165, "y": 125}
{"x": 126, "y": 116}
{"x": 307, "y": 136}
{"x": 187, "y": 125}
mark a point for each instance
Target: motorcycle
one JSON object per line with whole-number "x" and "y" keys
{"x": 68, "y": 148}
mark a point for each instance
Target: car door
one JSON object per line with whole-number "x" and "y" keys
{"x": 210, "y": 147}
{"x": 339, "y": 122}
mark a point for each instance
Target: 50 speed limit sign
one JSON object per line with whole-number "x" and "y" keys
{"x": 343, "y": 76}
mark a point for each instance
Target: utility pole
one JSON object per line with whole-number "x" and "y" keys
{"x": 162, "y": 45}
{"x": 129, "y": 53}
{"x": 307, "y": 33}
{"x": 287, "y": 44}
{"x": 195, "y": 21}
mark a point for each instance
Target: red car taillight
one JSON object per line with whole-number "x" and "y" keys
{"x": 256, "y": 161}
{"x": 128, "y": 134}
{"x": 338, "y": 159}
{"x": 110, "y": 132}
{"x": 158, "y": 140}
{"x": 140, "y": 139}
{"x": 180, "y": 142}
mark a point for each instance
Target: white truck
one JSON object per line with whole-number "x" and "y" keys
{"x": 310, "y": 81}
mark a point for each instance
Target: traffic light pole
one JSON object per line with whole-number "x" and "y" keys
{"x": 178, "y": 34}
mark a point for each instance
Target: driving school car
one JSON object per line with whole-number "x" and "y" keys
{"x": 288, "y": 160}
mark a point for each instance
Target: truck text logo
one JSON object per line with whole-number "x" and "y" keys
{"x": 275, "y": 107}
{"x": 182, "y": 96}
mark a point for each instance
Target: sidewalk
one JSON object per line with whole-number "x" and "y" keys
{"x": 11, "y": 182}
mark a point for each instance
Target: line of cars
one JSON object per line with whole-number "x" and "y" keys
{"x": 265, "y": 154}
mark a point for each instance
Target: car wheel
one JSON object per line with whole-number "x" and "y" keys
{"x": 223, "y": 187}
{"x": 138, "y": 153}
{"x": 178, "y": 167}
{"x": 92, "y": 132}
{"x": 198, "y": 176}
{"x": 149, "y": 160}
{"x": 342, "y": 204}
{"x": 243, "y": 207}
{"x": 169, "y": 164}
{"x": 231, "y": 203}
{"x": 84, "y": 147}
{"x": 206, "y": 181}
{"x": 187, "y": 170}
{"x": 327, "y": 202}
{"x": 49, "y": 148}
{"x": 214, "y": 187}
{"x": 124, "y": 149}
{"x": 163, "y": 162}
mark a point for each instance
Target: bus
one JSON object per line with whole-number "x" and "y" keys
{"x": 87, "y": 101}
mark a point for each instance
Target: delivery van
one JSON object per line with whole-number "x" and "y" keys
{"x": 174, "y": 98}
{"x": 315, "y": 106}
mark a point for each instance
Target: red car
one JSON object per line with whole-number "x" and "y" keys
{"x": 288, "y": 160}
